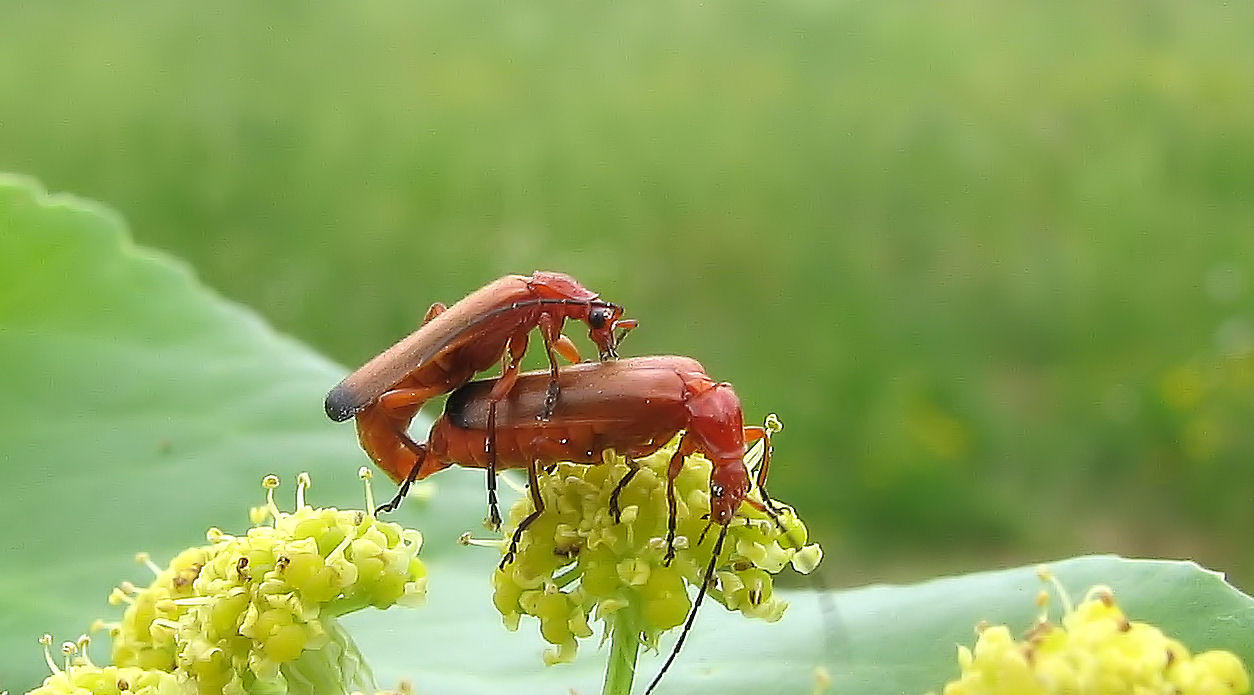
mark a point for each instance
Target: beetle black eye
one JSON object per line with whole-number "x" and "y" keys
{"x": 717, "y": 491}
{"x": 598, "y": 317}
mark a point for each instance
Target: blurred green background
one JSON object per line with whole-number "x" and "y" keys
{"x": 991, "y": 263}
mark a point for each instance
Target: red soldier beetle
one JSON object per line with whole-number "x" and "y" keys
{"x": 633, "y": 406}
{"x": 453, "y": 344}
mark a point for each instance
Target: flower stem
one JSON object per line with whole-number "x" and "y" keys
{"x": 624, "y": 648}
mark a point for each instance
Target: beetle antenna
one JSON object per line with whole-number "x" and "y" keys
{"x": 708, "y": 523}
{"x": 539, "y": 302}
{"x": 692, "y": 615}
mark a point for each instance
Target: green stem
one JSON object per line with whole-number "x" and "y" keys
{"x": 337, "y": 667}
{"x": 624, "y": 648}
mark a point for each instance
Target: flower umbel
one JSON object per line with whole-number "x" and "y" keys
{"x": 257, "y": 612}
{"x": 1096, "y": 651}
{"x": 576, "y": 563}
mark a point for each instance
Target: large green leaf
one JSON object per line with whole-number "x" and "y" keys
{"x": 138, "y": 408}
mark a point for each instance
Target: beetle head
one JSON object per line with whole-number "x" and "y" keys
{"x": 729, "y": 485}
{"x": 604, "y": 326}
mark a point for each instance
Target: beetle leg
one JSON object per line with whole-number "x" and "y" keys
{"x": 403, "y": 403}
{"x": 382, "y": 429}
{"x": 767, "y": 505}
{"x": 420, "y": 450}
{"x": 753, "y": 434}
{"x": 634, "y": 468}
{"x": 509, "y": 375}
{"x": 537, "y": 503}
{"x": 544, "y": 448}
{"x": 567, "y": 348}
{"x": 551, "y": 332}
{"x": 494, "y": 507}
{"x": 509, "y": 368}
{"x": 687, "y": 445}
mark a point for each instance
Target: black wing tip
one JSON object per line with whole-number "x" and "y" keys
{"x": 341, "y": 404}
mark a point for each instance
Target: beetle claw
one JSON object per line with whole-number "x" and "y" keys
{"x": 550, "y": 401}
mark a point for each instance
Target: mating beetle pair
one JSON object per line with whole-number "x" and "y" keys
{"x": 632, "y": 406}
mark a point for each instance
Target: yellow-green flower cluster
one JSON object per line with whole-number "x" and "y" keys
{"x": 257, "y": 612}
{"x": 575, "y": 562}
{"x": 1096, "y": 651}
